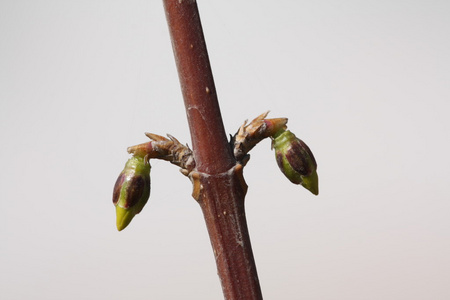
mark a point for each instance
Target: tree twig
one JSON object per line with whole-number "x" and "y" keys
{"x": 219, "y": 186}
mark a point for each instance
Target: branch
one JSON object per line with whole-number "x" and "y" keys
{"x": 215, "y": 166}
{"x": 218, "y": 183}
{"x": 209, "y": 140}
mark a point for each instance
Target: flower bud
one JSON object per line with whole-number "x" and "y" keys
{"x": 296, "y": 161}
{"x": 131, "y": 190}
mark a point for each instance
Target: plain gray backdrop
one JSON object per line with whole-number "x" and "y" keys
{"x": 366, "y": 84}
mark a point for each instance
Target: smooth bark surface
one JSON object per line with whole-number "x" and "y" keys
{"x": 197, "y": 84}
{"x": 218, "y": 183}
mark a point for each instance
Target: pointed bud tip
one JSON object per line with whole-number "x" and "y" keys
{"x": 123, "y": 217}
{"x": 311, "y": 183}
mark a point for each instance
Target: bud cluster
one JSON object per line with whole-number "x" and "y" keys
{"x": 293, "y": 156}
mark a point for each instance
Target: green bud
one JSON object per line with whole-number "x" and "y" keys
{"x": 296, "y": 161}
{"x": 131, "y": 190}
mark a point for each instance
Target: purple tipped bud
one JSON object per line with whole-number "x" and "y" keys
{"x": 296, "y": 161}
{"x": 131, "y": 190}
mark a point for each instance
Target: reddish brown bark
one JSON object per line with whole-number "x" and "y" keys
{"x": 218, "y": 183}
{"x": 197, "y": 84}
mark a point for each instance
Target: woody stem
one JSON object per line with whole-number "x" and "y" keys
{"x": 218, "y": 183}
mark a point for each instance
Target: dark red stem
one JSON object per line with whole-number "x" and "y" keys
{"x": 218, "y": 183}
{"x": 194, "y": 70}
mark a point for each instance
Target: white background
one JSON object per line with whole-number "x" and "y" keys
{"x": 366, "y": 84}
